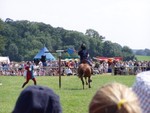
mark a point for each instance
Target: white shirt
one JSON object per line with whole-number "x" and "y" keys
{"x": 68, "y": 71}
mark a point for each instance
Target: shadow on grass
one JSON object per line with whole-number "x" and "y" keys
{"x": 76, "y": 88}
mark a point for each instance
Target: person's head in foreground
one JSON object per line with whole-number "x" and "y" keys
{"x": 142, "y": 88}
{"x": 114, "y": 98}
{"x": 38, "y": 99}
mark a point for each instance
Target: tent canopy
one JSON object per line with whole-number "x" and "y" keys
{"x": 44, "y": 52}
{"x": 108, "y": 59}
{"x": 4, "y": 59}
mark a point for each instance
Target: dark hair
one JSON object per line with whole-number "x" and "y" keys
{"x": 83, "y": 46}
{"x": 38, "y": 99}
{"x": 28, "y": 62}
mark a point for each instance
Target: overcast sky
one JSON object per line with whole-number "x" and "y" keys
{"x": 126, "y": 22}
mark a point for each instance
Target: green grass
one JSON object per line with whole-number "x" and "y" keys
{"x": 142, "y": 58}
{"x": 73, "y": 98}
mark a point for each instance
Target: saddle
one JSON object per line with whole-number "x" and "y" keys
{"x": 84, "y": 61}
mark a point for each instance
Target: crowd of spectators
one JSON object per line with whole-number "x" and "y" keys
{"x": 131, "y": 67}
{"x": 70, "y": 67}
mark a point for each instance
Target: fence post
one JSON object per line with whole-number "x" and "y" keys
{"x": 59, "y": 54}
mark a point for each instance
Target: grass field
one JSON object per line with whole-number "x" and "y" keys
{"x": 73, "y": 98}
{"x": 142, "y": 58}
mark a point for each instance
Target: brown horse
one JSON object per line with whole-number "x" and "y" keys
{"x": 84, "y": 71}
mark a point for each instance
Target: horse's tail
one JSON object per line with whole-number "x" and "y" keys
{"x": 81, "y": 74}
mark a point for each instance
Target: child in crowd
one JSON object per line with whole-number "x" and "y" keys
{"x": 114, "y": 98}
{"x": 38, "y": 99}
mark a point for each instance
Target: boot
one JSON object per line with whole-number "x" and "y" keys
{"x": 92, "y": 71}
{"x": 23, "y": 85}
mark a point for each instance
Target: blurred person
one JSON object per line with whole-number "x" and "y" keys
{"x": 37, "y": 99}
{"x": 114, "y": 98}
{"x": 68, "y": 71}
{"x": 29, "y": 74}
{"x": 141, "y": 87}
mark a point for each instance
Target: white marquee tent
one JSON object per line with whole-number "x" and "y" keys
{"x": 4, "y": 59}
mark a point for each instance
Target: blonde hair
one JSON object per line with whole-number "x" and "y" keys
{"x": 114, "y": 98}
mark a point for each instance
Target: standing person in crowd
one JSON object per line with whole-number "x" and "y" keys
{"x": 114, "y": 98}
{"x": 38, "y": 99}
{"x": 142, "y": 88}
{"x": 29, "y": 74}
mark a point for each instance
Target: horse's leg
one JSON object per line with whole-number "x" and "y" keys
{"x": 82, "y": 82}
{"x": 89, "y": 80}
{"x": 86, "y": 80}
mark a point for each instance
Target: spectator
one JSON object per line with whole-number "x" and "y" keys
{"x": 68, "y": 71}
{"x": 114, "y": 98}
{"x": 38, "y": 99}
{"x": 142, "y": 88}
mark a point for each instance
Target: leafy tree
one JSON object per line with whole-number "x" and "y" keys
{"x": 108, "y": 50}
{"x": 140, "y": 52}
{"x": 93, "y": 34}
{"x": 2, "y": 43}
{"x": 127, "y": 54}
{"x": 147, "y": 51}
{"x": 117, "y": 49}
{"x": 143, "y": 52}
{"x": 13, "y": 52}
{"x": 95, "y": 47}
{"x": 21, "y": 40}
{"x": 2, "y": 38}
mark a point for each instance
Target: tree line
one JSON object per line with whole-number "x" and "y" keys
{"x": 22, "y": 40}
{"x": 143, "y": 52}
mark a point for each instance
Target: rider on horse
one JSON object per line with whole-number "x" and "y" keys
{"x": 84, "y": 55}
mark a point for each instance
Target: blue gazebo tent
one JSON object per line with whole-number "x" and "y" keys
{"x": 44, "y": 52}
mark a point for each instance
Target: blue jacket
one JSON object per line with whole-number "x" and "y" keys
{"x": 83, "y": 55}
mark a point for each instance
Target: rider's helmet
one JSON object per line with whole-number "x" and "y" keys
{"x": 83, "y": 46}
